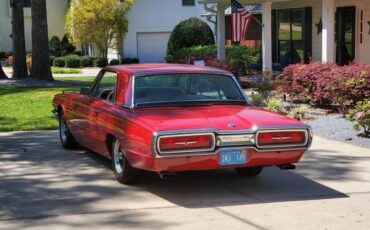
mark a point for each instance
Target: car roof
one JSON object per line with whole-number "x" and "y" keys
{"x": 157, "y": 69}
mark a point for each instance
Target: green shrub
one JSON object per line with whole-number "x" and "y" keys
{"x": 257, "y": 99}
{"x": 52, "y": 60}
{"x": 129, "y": 61}
{"x": 78, "y": 53}
{"x": 237, "y": 56}
{"x": 299, "y": 112}
{"x": 100, "y": 62}
{"x": 241, "y": 57}
{"x": 114, "y": 62}
{"x": 59, "y": 62}
{"x": 360, "y": 116}
{"x": 55, "y": 46}
{"x": 87, "y": 61}
{"x": 67, "y": 47}
{"x": 275, "y": 105}
{"x": 188, "y": 54}
{"x": 188, "y": 33}
{"x": 72, "y": 61}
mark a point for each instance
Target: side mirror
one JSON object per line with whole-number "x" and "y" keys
{"x": 84, "y": 91}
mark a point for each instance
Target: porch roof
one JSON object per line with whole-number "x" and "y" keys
{"x": 245, "y": 2}
{"x": 253, "y": 9}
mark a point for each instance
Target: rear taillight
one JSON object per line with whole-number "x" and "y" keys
{"x": 186, "y": 143}
{"x": 282, "y": 138}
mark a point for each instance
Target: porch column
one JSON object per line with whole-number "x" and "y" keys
{"x": 220, "y": 41}
{"x": 266, "y": 37}
{"x": 328, "y": 23}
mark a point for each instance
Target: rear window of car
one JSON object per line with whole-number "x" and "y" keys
{"x": 186, "y": 89}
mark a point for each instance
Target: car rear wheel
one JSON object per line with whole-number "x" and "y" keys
{"x": 122, "y": 169}
{"x": 66, "y": 138}
{"x": 249, "y": 171}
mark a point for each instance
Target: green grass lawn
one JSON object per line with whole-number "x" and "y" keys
{"x": 58, "y": 70}
{"x": 23, "y": 108}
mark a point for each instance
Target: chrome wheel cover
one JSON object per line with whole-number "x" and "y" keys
{"x": 63, "y": 129}
{"x": 118, "y": 158}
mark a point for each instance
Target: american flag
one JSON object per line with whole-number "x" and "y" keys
{"x": 241, "y": 19}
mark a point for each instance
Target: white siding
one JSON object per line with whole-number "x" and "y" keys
{"x": 147, "y": 53}
{"x": 56, "y": 11}
{"x": 148, "y": 16}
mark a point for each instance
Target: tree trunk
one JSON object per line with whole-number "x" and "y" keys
{"x": 2, "y": 73}
{"x": 19, "y": 46}
{"x": 40, "y": 41}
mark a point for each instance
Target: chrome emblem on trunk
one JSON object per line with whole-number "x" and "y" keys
{"x": 231, "y": 125}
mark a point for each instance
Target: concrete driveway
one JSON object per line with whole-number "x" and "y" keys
{"x": 43, "y": 186}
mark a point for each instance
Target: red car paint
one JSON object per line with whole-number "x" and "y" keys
{"x": 92, "y": 121}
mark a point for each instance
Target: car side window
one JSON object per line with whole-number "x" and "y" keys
{"x": 105, "y": 88}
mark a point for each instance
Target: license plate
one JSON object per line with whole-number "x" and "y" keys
{"x": 232, "y": 157}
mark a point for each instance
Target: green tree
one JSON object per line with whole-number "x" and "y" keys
{"x": 103, "y": 23}
{"x": 66, "y": 46}
{"x": 55, "y": 47}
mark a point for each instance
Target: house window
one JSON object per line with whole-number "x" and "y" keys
{"x": 26, "y": 3}
{"x": 188, "y": 2}
{"x": 292, "y": 35}
{"x": 88, "y": 49}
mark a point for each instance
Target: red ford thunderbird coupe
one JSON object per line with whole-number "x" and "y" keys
{"x": 170, "y": 118}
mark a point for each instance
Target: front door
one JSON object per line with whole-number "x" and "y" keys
{"x": 345, "y": 34}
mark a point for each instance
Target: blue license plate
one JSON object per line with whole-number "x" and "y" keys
{"x": 232, "y": 157}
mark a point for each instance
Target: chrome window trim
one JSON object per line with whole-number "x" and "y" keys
{"x": 187, "y": 135}
{"x": 306, "y": 128}
{"x": 241, "y": 89}
{"x": 132, "y": 106}
{"x": 285, "y": 130}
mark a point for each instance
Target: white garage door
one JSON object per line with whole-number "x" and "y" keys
{"x": 152, "y": 47}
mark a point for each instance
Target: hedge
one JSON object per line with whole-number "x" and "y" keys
{"x": 72, "y": 61}
{"x": 237, "y": 56}
{"x": 114, "y": 62}
{"x": 130, "y": 61}
{"x": 188, "y": 33}
{"x": 326, "y": 84}
{"x": 100, "y": 62}
{"x": 59, "y": 62}
{"x": 87, "y": 61}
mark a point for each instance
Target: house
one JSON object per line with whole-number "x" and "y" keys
{"x": 150, "y": 26}
{"x": 56, "y": 11}
{"x": 336, "y": 31}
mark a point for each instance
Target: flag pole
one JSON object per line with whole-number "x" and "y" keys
{"x": 258, "y": 21}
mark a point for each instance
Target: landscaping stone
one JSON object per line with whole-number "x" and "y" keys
{"x": 336, "y": 127}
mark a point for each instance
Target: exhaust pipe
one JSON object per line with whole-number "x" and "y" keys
{"x": 286, "y": 167}
{"x": 167, "y": 175}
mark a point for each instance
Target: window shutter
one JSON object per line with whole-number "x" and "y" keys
{"x": 308, "y": 34}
